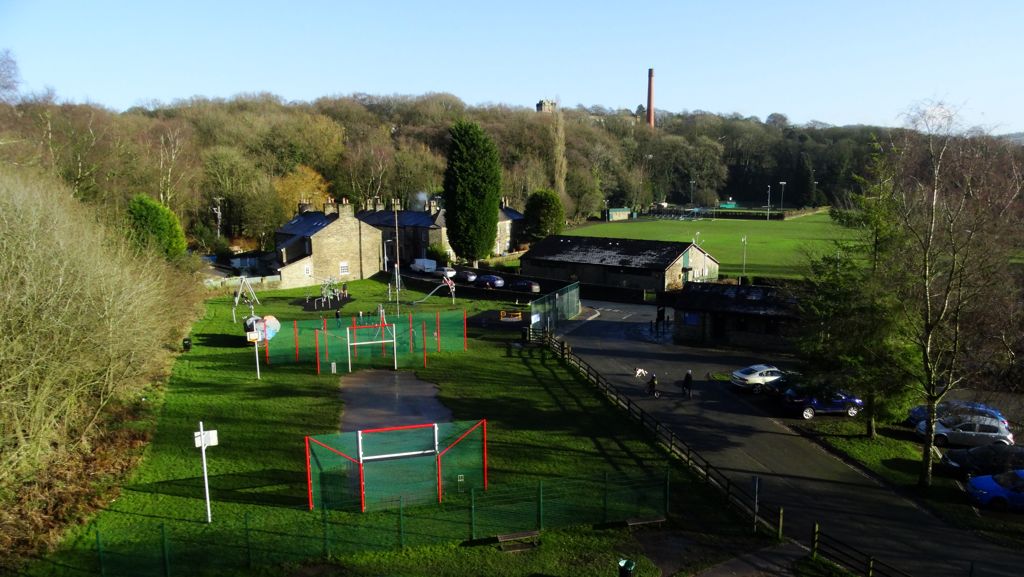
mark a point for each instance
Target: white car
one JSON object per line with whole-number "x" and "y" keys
{"x": 444, "y": 271}
{"x": 755, "y": 377}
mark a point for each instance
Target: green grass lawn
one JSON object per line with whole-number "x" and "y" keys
{"x": 544, "y": 424}
{"x": 777, "y": 248}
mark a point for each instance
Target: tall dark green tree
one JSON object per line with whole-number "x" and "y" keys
{"x": 154, "y": 223}
{"x": 544, "y": 215}
{"x": 472, "y": 191}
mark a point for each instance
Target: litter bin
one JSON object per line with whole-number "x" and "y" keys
{"x": 186, "y": 344}
{"x": 627, "y": 568}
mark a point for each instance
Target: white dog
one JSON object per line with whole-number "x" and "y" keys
{"x": 640, "y": 373}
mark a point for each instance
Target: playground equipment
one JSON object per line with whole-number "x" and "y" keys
{"x": 246, "y": 294}
{"x": 445, "y": 282}
{"x": 329, "y": 291}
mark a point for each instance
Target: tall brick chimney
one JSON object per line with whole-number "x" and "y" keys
{"x": 650, "y": 97}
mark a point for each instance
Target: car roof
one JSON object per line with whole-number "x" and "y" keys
{"x": 762, "y": 367}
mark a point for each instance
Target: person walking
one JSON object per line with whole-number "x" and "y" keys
{"x": 687, "y": 384}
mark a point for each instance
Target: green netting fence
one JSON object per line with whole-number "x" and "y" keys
{"x": 129, "y": 545}
{"x": 548, "y": 311}
{"x": 323, "y": 344}
{"x": 386, "y": 468}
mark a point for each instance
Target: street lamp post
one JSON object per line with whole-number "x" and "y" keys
{"x": 744, "y": 241}
{"x": 768, "y": 213}
{"x": 782, "y": 198}
{"x": 814, "y": 191}
{"x": 398, "y": 277}
{"x": 691, "y": 191}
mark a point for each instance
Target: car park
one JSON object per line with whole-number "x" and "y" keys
{"x": 968, "y": 430}
{"x": 444, "y": 271}
{"x": 983, "y": 460}
{"x": 952, "y": 408}
{"x": 808, "y": 402}
{"x": 465, "y": 276}
{"x": 755, "y": 377}
{"x": 1000, "y": 492}
{"x": 525, "y": 286}
{"x": 489, "y": 281}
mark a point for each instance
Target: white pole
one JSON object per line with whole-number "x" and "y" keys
{"x": 394, "y": 345}
{"x": 256, "y": 346}
{"x": 206, "y": 479}
{"x": 348, "y": 346}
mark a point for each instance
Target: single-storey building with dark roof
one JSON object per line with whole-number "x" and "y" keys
{"x": 757, "y": 317}
{"x": 619, "y": 262}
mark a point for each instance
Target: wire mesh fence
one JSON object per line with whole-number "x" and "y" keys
{"x": 404, "y": 341}
{"x": 237, "y": 540}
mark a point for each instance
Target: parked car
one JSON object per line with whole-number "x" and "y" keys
{"x": 808, "y": 402}
{"x": 1000, "y": 492}
{"x": 489, "y": 281}
{"x": 983, "y": 460}
{"x": 465, "y": 276}
{"x": 444, "y": 271}
{"x": 951, "y": 408}
{"x": 788, "y": 380}
{"x": 525, "y": 286}
{"x": 968, "y": 430}
{"x": 423, "y": 265}
{"x": 755, "y": 377}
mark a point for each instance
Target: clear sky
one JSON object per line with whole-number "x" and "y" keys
{"x": 835, "y": 61}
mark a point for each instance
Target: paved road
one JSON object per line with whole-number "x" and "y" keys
{"x": 737, "y": 437}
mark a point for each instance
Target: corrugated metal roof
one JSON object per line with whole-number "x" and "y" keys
{"x": 619, "y": 252}
{"x": 737, "y": 299}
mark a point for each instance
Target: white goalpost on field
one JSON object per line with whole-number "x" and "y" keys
{"x": 382, "y": 334}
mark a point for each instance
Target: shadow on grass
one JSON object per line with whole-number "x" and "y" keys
{"x": 270, "y": 487}
{"x": 220, "y": 340}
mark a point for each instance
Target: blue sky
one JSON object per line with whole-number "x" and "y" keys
{"x": 835, "y": 61}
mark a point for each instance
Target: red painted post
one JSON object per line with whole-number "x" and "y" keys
{"x": 295, "y": 329}
{"x": 316, "y": 339}
{"x": 325, "y": 322}
{"x": 412, "y": 341}
{"x": 266, "y": 351}
{"x": 423, "y": 337}
{"x": 309, "y": 475}
{"x": 327, "y": 343}
{"x": 485, "y": 454}
{"x": 439, "y": 478}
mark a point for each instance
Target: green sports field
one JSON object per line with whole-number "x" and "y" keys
{"x": 774, "y": 248}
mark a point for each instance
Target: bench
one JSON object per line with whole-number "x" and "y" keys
{"x": 518, "y": 541}
{"x": 639, "y": 521}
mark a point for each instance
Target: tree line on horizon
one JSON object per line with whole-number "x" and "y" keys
{"x": 255, "y": 157}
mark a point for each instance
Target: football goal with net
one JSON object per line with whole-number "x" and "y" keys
{"x": 376, "y": 469}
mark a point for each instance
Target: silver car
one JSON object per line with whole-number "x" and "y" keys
{"x": 755, "y": 377}
{"x": 968, "y": 430}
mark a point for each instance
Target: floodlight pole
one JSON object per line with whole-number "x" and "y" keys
{"x": 744, "y": 241}
{"x": 782, "y": 198}
{"x": 768, "y": 213}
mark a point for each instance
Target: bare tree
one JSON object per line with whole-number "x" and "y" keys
{"x": 955, "y": 197}
{"x": 9, "y": 80}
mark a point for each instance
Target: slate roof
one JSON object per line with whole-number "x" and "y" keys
{"x": 307, "y": 224}
{"x": 617, "y": 252}
{"x": 406, "y": 218}
{"x": 737, "y": 299}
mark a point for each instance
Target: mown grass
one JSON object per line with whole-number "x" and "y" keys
{"x": 545, "y": 423}
{"x": 777, "y": 248}
{"x": 895, "y": 456}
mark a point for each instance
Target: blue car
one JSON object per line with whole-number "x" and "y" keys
{"x": 489, "y": 281}
{"x": 807, "y": 402}
{"x": 1000, "y": 492}
{"x": 954, "y": 407}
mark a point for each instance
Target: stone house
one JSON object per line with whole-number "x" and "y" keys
{"x": 419, "y": 229}
{"x": 333, "y": 243}
{"x": 619, "y": 262}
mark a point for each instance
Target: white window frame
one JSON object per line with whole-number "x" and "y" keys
{"x": 343, "y": 269}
